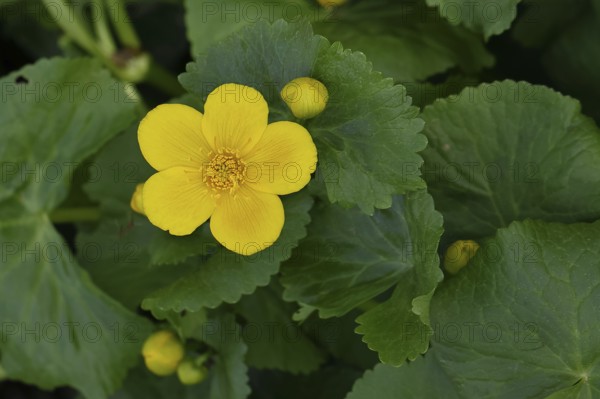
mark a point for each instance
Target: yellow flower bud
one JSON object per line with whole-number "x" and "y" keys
{"x": 331, "y": 3}
{"x": 162, "y": 352}
{"x": 189, "y": 373}
{"x": 306, "y": 97}
{"x": 137, "y": 203}
{"x": 459, "y": 254}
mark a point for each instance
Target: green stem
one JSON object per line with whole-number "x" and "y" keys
{"x": 103, "y": 33}
{"x": 200, "y": 360}
{"x": 72, "y": 215}
{"x": 163, "y": 80}
{"x": 122, "y": 24}
{"x": 368, "y": 305}
{"x": 73, "y": 26}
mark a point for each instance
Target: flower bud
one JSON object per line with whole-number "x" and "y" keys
{"x": 459, "y": 254}
{"x": 137, "y": 203}
{"x": 190, "y": 373}
{"x": 306, "y": 97}
{"x": 331, "y": 3}
{"x": 162, "y": 352}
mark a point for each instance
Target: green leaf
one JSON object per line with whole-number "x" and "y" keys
{"x": 226, "y": 276}
{"x": 367, "y": 137}
{"x": 274, "y": 340}
{"x": 51, "y": 310}
{"x": 63, "y": 329}
{"x": 490, "y": 17}
{"x": 337, "y": 336}
{"x": 126, "y": 247}
{"x": 349, "y": 258}
{"x": 142, "y": 384}
{"x": 423, "y": 378}
{"x": 525, "y": 307}
{"x": 577, "y": 53}
{"x": 543, "y": 20}
{"x": 209, "y": 22}
{"x": 54, "y": 102}
{"x": 228, "y": 376}
{"x": 509, "y": 151}
{"x": 399, "y": 328}
{"x": 404, "y": 44}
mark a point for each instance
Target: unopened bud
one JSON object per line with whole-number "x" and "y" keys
{"x": 190, "y": 373}
{"x": 306, "y": 97}
{"x": 459, "y": 254}
{"x": 162, "y": 352}
{"x": 137, "y": 202}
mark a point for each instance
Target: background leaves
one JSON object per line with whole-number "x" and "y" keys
{"x": 499, "y": 156}
{"x": 508, "y": 151}
{"x": 349, "y": 258}
{"x": 81, "y": 336}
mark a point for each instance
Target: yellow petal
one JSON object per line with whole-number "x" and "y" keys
{"x": 170, "y": 135}
{"x": 248, "y": 221}
{"x": 283, "y": 160}
{"x": 235, "y": 117}
{"x": 178, "y": 200}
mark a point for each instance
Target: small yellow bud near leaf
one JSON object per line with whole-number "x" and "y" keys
{"x": 306, "y": 97}
{"x": 163, "y": 352}
{"x": 190, "y": 373}
{"x": 137, "y": 203}
{"x": 459, "y": 254}
{"x": 332, "y": 3}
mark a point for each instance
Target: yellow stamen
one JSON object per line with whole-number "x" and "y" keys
{"x": 225, "y": 171}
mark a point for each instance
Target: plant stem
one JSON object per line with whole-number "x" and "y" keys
{"x": 163, "y": 80}
{"x": 71, "y": 215}
{"x": 73, "y": 26}
{"x": 103, "y": 33}
{"x": 122, "y": 24}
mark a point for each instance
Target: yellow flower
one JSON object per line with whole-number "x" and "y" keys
{"x": 459, "y": 254}
{"x": 162, "y": 352}
{"x": 306, "y": 97}
{"x": 228, "y": 165}
{"x": 137, "y": 203}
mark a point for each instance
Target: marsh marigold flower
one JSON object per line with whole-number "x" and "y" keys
{"x": 227, "y": 164}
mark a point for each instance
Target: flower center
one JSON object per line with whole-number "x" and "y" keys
{"x": 225, "y": 171}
